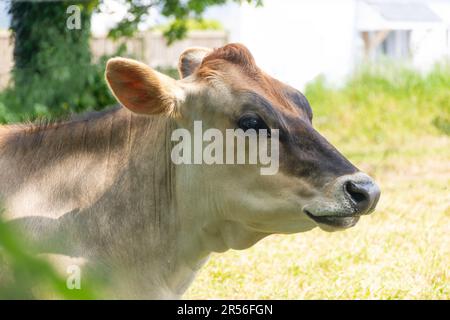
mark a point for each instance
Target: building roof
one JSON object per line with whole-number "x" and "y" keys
{"x": 402, "y": 11}
{"x": 395, "y": 15}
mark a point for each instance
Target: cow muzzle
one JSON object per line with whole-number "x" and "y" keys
{"x": 344, "y": 201}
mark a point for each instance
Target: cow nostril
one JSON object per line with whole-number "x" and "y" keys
{"x": 358, "y": 194}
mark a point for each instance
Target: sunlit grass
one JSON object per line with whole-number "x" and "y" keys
{"x": 387, "y": 126}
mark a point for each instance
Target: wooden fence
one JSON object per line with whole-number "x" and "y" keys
{"x": 6, "y": 57}
{"x": 148, "y": 47}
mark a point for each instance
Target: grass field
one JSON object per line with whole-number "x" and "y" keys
{"x": 395, "y": 126}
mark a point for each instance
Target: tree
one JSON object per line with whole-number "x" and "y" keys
{"x": 51, "y": 60}
{"x": 53, "y": 72}
{"x": 178, "y": 10}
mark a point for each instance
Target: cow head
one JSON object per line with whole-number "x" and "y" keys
{"x": 315, "y": 184}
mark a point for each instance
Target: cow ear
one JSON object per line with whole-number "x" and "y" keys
{"x": 141, "y": 89}
{"x": 190, "y": 59}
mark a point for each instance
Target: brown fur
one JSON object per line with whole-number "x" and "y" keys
{"x": 190, "y": 59}
{"x": 221, "y": 63}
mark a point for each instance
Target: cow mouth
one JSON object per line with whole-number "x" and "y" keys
{"x": 339, "y": 222}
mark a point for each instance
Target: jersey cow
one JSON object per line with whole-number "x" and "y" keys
{"x": 103, "y": 192}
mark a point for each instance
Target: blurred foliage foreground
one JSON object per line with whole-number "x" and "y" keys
{"x": 21, "y": 272}
{"x": 392, "y": 122}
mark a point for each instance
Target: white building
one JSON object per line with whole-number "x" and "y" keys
{"x": 297, "y": 40}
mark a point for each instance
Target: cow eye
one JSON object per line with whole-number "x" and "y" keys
{"x": 252, "y": 122}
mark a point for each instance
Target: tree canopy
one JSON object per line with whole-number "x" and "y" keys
{"x": 178, "y": 11}
{"x": 53, "y": 72}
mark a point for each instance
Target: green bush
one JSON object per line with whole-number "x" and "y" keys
{"x": 194, "y": 24}
{"x": 387, "y": 103}
{"x": 94, "y": 96}
{"x": 170, "y": 71}
{"x": 39, "y": 101}
{"x": 51, "y": 61}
